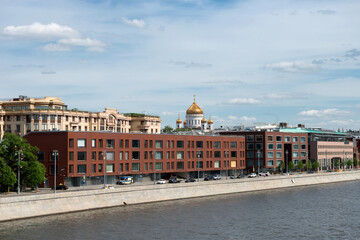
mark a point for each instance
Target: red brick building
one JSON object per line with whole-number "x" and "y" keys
{"x": 269, "y": 148}
{"x": 82, "y": 155}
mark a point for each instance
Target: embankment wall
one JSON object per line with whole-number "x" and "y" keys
{"x": 18, "y": 207}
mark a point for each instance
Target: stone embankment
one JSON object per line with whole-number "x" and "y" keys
{"x": 26, "y": 206}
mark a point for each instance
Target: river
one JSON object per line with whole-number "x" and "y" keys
{"x": 328, "y": 211}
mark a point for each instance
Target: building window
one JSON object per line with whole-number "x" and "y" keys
{"x": 270, "y": 138}
{"x": 94, "y": 168}
{"x": 93, "y": 155}
{"x": 40, "y": 156}
{"x": 287, "y": 139}
{"x": 159, "y": 155}
{"x": 270, "y": 162}
{"x": 303, "y": 154}
{"x": 180, "y": 155}
{"x": 121, "y": 143}
{"x": 259, "y": 146}
{"x": 180, "y": 165}
{"x": 259, "y": 138}
{"x": 250, "y": 138}
{"x": 303, "y": 146}
{"x": 135, "y": 155}
{"x": 93, "y": 143}
{"x": 121, "y": 156}
{"x": 126, "y": 155}
{"x": 278, "y": 162}
{"x": 233, "y": 154}
{"x": 199, "y": 154}
{"x": 217, "y": 154}
{"x": 279, "y": 146}
{"x": 81, "y": 143}
{"x": 217, "y": 164}
{"x": 100, "y": 143}
{"x": 135, "y": 167}
{"x": 295, "y": 146}
{"x": 71, "y": 168}
{"x": 135, "y": 143}
{"x": 110, "y": 143}
{"x": 233, "y": 144}
{"x": 295, "y": 154}
{"x": 270, "y": 154}
{"x": 278, "y": 138}
{"x": 270, "y": 146}
{"x": 278, "y": 154}
{"x": 302, "y": 139}
{"x": 199, "y": 144}
{"x": 217, "y": 144}
{"x": 158, "y": 166}
{"x": 81, "y": 168}
{"x": 295, "y": 139}
{"x": 100, "y": 167}
{"x": 109, "y": 168}
{"x": 180, "y": 144}
{"x": 158, "y": 144}
{"x": 110, "y": 155}
{"x": 71, "y": 156}
{"x": 81, "y": 156}
{"x": 250, "y": 154}
{"x": 250, "y": 146}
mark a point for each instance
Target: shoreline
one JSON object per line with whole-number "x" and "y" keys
{"x": 36, "y": 205}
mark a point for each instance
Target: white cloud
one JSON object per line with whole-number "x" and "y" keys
{"x": 169, "y": 113}
{"x": 297, "y": 66}
{"x": 41, "y": 31}
{"x": 232, "y": 117}
{"x": 331, "y": 112}
{"x": 243, "y": 101}
{"x": 64, "y": 36}
{"x": 135, "y": 22}
{"x": 247, "y": 119}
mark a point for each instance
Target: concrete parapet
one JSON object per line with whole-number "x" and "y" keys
{"x": 46, "y": 204}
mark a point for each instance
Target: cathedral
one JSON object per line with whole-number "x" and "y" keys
{"x": 195, "y": 119}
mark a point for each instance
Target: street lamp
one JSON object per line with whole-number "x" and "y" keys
{"x": 258, "y": 162}
{"x": 287, "y": 162}
{"x": 104, "y": 156}
{"x": 18, "y": 173}
{"x": 55, "y": 153}
{"x": 326, "y": 160}
{"x": 227, "y": 163}
{"x": 153, "y": 155}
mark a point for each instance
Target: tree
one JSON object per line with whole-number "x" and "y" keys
{"x": 281, "y": 166}
{"x": 343, "y": 163}
{"x": 300, "y": 165}
{"x": 337, "y": 163}
{"x": 291, "y": 166}
{"x": 11, "y": 146}
{"x": 355, "y": 162}
{"x": 7, "y": 176}
{"x": 167, "y": 129}
{"x": 349, "y": 163}
{"x": 308, "y": 165}
{"x": 315, "y": 165}
{"x": 34, "y": 173}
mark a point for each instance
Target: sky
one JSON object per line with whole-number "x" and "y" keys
{"x": 247, "y": 62}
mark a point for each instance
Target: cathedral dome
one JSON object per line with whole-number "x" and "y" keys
{"x": 203, "y": 120}
{"x": 178, "y": 120}
{"x": 194, "y": 109}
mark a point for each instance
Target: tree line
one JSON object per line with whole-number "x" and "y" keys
{"x": 16, "y": 154}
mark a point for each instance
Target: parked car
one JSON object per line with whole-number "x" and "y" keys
{"x": 108, "y": 187}
{"x": 161, "y": 181}
{"x": 60, "y": 187}
{"x": 233, "y": 177}
{"x": 252, "y": 175}
{"x": 174, "y": 180}
{"x": 190, "y": 180}
{"x": 125, "y": 180}
{"x": 264, "y": 174}
{"x": 208, "y": 178}
{"x": 217, "y": 177}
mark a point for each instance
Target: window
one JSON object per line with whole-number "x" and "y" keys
{"x": 135, "y": 167}
{"x": 158, "y": 143}
{"x": 199, "y": 164}
{"x": 278, "y": 154}
{"x": 93, "y": 155}
{"x": 302, "y": 139}
{"x": 135, "y": 155}
{"x": 250, "y": 146}
{"x": 270, "y": 154}
{"x": 259, "y": 146}
{"x": 71, "y": 142}
{"x": 250, "y": 138}
{"x": 270, "y": 146}
{"x": 126, "y": 155}
{"x": 180, "y": 155}
{"x": 295, "y": 146}
{"x": 279, "y": 146}
{"x": 121, "y": 143}
{"x": 100, "y": 167}
{"x": 81, "y": 143}
{"x": 81, "y": 168}
{"x": 93, "y": 143}
{"x": 159, "y": 155}
{"x": 71, "y": 156}
{"x": 303, "y": 154}
{"x": 278, "y": 162}
{"x": 199, "y": 154}
{"x": 81, "y": 156}
{"x": 233, "y": 144}
{"x": 199, "y": 144}
{"x": 100, "y": 143}
{"x": 110, "y": 155}
{"x": 217, "y": 154}
{"x": 250, "y": 154}
{"x": 217, "y": 144}
{"x": 259, "y": 138}
{"x": 217, "y": 164}
{"x": 180, "y": 165}
{"x": 40, "y": 156}
{"x": 71, "y": 168}
{"x": 233, "y": 154}
{"x": 270, "y": 138}
{"x": 295, "y": 139}
{"x": 135, "y": 143}
{"x": 303, "y": 146}
{"x": 121, "y": 155}
{"x": 278, "y": 138}
{"x": 270, "y": 162}
{"x": 94, "y": 168}
{"x": 109, "y": 168}
{"x": 126, "y": 143}
{"x": 180, "y": 144}
{"x": 295, "y": 154}
{"x": 233, "y": 164}
{"x": 110, "y": 143}
{"x": 158, "y": 166}
{"x": 287, "y": 139}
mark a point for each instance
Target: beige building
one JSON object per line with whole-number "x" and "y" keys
{"x": 23, "y": 115}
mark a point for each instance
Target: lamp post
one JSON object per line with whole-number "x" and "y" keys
{"x": 153, "y": 155}
{"x": 197, "y": 166}
{"x": 287, "y": 161}
{"x": 326, "y": 160}
{"x": 258, "y": 162}
{"x": 55, "y": 154}
{"x": 18, "y": 173}
{"x": 104, "y": 156}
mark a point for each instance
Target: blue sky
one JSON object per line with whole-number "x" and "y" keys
{"x": 246, "y": 61}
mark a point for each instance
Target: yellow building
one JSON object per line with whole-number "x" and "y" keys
{"x": 22, "y": 115}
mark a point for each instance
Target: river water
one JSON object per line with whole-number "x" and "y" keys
{"x": 330, "y": 211}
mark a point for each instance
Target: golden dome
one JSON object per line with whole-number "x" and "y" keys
{"x": 210, "y": 121}
{"x": 194, "y": 109}
{"x": 203, "y": 120}
{"x": 178, "y": 121}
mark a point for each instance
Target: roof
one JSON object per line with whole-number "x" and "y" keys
{"x": 302, "y": 130}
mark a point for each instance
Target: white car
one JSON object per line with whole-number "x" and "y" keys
{"x": 161, "y": 181}
{"x": 264, "y": 174}
{"x": 108, "y": 187}
{"x": 252, "y": 175}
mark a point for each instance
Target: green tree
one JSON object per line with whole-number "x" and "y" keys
{"x": 355, "y": 162}
{"x": 11, "y": 146}
{"x": 281, "y": 166}
{"x": 308, "y": 165}
{"x": 300, "y": 165}
{"x": 291, "y": 166}
{"x": 34, "y": 174}
{"x": 167, "y": 129}
{"x": 349, "y": 163}
{"x": 315, "y": 165}
{"x": 343, "y": 163}
{"x": 7, "y": 176}
{"x": 337, "y": 163}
